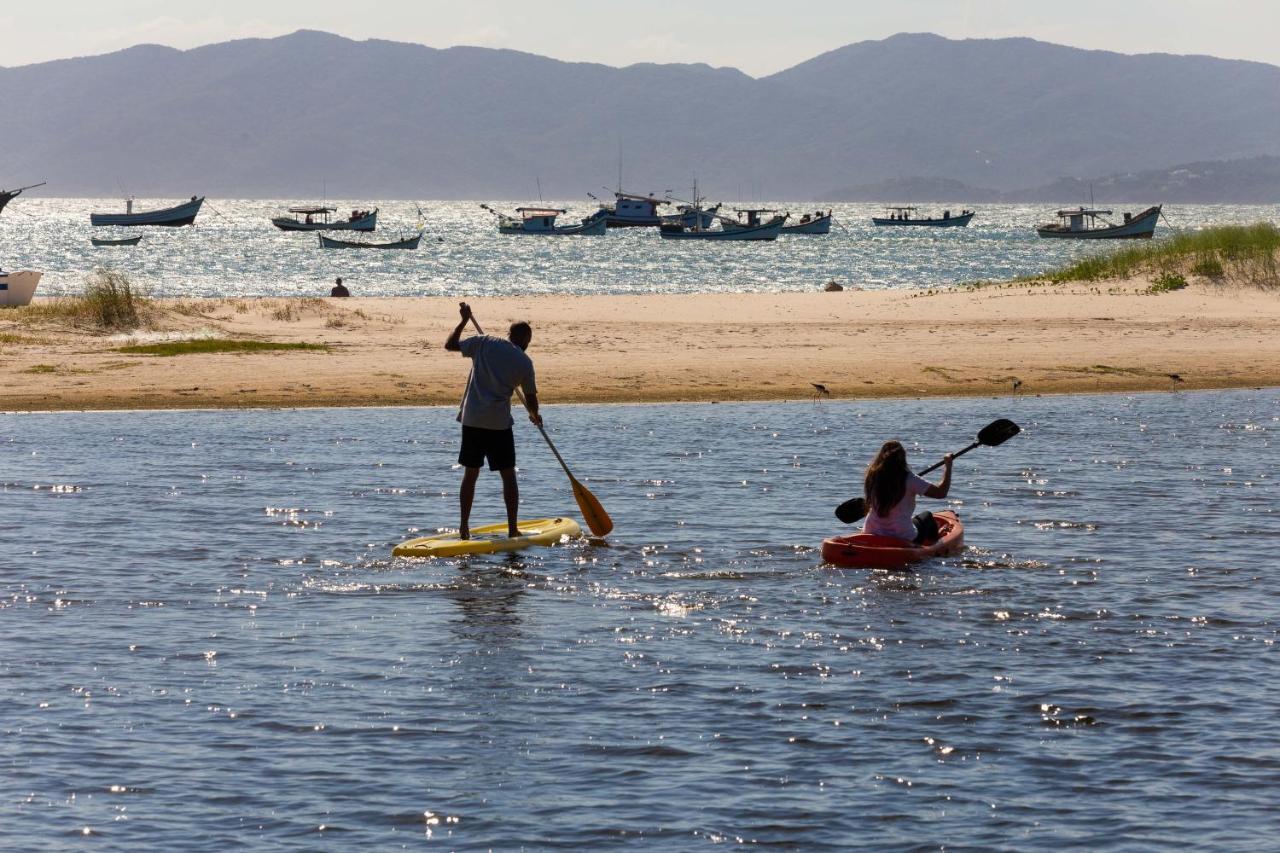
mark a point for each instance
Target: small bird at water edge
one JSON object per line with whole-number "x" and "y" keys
{"x": 819, "y": 391}
{"x": 1017, "y": 383}
{"x": 1175, "y": 377}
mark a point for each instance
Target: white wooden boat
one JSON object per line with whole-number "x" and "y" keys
{"x": 902, "y": 215}
{"x": 17, "y": 288}
{"x": 810, "y": 223}
{"x": 753, "y": 228}
{"x": 1082, "y": 224}
{"x": 318, "y": 218}
{"x": 542, "y": 221}
{"x": 173, "y": 217}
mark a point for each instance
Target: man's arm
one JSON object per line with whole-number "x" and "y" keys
{"x": 531, "y": 403}
{"x": 454, "y": 344}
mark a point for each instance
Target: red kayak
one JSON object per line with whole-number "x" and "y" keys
{"x": 868, "y": 551}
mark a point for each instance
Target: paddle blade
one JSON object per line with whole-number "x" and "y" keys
{"x": 592, "y": 512}
{"x": 852, "y": 510}
{"x": 998, "y": 432}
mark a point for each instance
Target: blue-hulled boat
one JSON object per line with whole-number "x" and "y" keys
{"x": 182, "y": 214}
{"x": 1081, "y": 224}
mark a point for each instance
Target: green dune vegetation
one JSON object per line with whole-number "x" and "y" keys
{"x": 1230, "y": 254}
{"x": 109, "y": 302}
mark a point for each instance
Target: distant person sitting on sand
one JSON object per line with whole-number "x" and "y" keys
{"x": 339, "y": 289}
{"x": 890, "y": 489}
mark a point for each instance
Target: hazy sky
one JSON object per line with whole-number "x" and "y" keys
{"x": 756, "y": 36}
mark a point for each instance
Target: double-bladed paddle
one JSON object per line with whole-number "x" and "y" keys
{"x": 592, "y": 512}
{"x": 993, "y": 434}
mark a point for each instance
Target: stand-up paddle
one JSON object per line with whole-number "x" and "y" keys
{"x": 592, "y": 512}
{"x": 993, "y": 434}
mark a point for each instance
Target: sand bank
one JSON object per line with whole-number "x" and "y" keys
{"x": 704, "y": 347}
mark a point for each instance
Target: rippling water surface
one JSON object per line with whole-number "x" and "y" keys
{"x": 235, "y": 251}
{"x": 205, "y": 641}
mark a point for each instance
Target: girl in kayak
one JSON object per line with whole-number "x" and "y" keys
{"x": 890, "y": 489}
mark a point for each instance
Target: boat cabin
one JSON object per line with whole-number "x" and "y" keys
{"x": 538, "y": 218}
{"x": 753, "y": 215}
{"x": 1082, "y": 218}
{"x": 312, "y": 212}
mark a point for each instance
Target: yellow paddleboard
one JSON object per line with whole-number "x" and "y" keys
{"x": 491, "y": 539}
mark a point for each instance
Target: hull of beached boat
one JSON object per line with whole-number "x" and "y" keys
{"x": 1140, "y": 227}
{"x": 364, "y": 223}
{"x": 819, "y": 225}
{"x": 173, "y": 217}
{"x": 406, "y": 243}
{"x": 948, "y": 222}
{"x": 766, "y": 231}
{"x": 17, "y": 288}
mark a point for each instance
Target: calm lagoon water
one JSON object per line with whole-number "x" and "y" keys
{"x": 235, "y": 251}
{"x": 206, "y": 643}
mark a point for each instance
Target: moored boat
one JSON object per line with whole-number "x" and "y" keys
{"x": 753, "y": 217}
{"x": 116, "y": 241}
{"x": 7, "y": 196}
{"x": 869, "y": 551}
{"x": 1082, "y": 224}
{"x": 810, "y": 223}
{"x": 318, "y": 218}
{"x": 903, "y": 215}
{"x": 178, "y": 215}
{"x": 404, "y": 243}
{"x": 17, "y": 288}
{"x": 542, "y": 221}
{"x": 633, "y": 211}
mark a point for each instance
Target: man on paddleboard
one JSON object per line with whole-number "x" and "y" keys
{"x": 498, "y": 366}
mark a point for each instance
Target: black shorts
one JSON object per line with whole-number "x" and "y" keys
{"x": 497, "y": 445}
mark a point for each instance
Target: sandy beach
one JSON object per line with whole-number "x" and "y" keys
{"x": 1000, "y": 339}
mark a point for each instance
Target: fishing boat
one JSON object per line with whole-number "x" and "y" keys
{"x": 542, "y": 220}
{"x": 752, "y": 217}
{"x": 810, "y": 223}
{"x": 1082, "y": 224}
{"x": 753, "y": 229}
{"x": 178, "y": 215}
{"x": 318, "y": 218}
{"x": 633, "y": 211}
{"x": 686, "y": 215}
{"x": 900, "y": 215}
{"x": 116, "y": 241}
{"x": 17, "y": 288}
{"x": 403, "y": 243}
{"x": 7, "y": 196}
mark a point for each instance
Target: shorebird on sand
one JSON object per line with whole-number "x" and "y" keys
{"x": 1017, "y": 383}
{"x": 1175, "y": 377}
{"x": 819, "y": 391}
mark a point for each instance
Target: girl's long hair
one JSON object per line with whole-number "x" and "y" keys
{"x": 886, "y": 479}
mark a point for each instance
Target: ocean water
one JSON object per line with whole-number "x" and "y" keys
{"x": 206, "y": 642}
{"x": 235, "y": 251}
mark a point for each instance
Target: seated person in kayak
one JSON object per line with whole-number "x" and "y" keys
{"x": 890, "y": 488}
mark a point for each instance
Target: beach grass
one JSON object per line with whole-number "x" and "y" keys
{"x": 1241, "y": 254}
{"x": 206, "y": 346}
{"x": 109, "y": 302}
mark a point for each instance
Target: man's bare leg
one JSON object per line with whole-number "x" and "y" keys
{"x": 511, "y": 497}
{"x": 467, "y": 494}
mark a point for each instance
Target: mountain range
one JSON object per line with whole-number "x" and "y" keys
{"x": 312, "y": 114}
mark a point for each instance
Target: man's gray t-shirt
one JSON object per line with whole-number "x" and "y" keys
{"x": 497, "y": 367}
